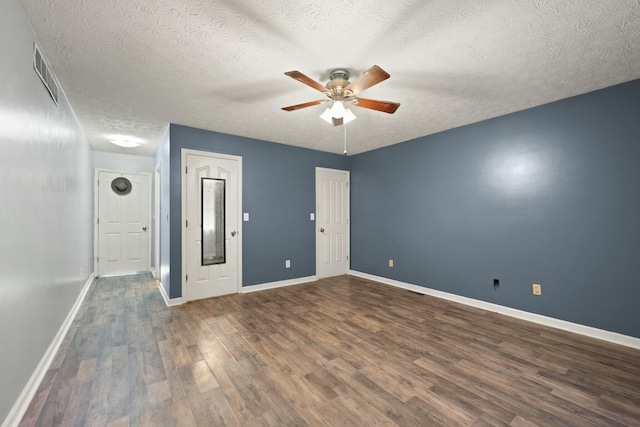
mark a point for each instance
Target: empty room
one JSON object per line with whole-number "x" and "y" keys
{"x": 322, "y": 213}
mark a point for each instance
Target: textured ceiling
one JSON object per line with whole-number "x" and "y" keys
{"x": 131, "y": 67}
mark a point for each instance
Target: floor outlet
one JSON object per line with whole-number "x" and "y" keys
{"x": 537, "y": 289}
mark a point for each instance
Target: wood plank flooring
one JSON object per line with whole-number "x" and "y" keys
{"x": 337, "y": 352}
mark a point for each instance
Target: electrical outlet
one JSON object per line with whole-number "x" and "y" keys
{"x": 287, "y": 264}
{"x": 496, "y": 283}
{"x": 390, "y": 263}
{"x": 537, "y": 289}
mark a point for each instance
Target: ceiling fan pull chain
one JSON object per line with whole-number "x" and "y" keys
{"x": 345, "y": 139}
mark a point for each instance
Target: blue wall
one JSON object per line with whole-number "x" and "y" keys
{"x": 548, "y": 195}
{"x": 278, "y": 191}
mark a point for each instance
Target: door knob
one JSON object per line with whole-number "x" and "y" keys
{"x": 144, "y": 228}
{"x": 322, "y": 230}
{"x": 233, "y": 233}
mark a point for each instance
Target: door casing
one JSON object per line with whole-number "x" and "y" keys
{"x": 319, "y": 172}
{"x": 96, "y": 213}
{"x": 156, "y": 221}
{"x": 183, "y": 162}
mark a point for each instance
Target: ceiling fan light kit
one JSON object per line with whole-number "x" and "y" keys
{"x": 348, "y": 116}
{"x": 337, "y": 110}
{"x": 326, "y": 116}
{"x": 340, "y": 90}
{"x": 331, "y": 113}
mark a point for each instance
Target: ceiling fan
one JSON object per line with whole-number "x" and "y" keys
{"x": 340, "y": 91}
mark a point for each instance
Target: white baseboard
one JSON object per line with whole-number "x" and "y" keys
{"x": 588, "y": 331}
{"x": 279, "y": 284}
{"x": 170, "y": 302}
{"x": 29, "y": 391}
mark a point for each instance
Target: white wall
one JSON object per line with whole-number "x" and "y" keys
{"x": 122, "y": 162}
{"x": 46, "y": 204}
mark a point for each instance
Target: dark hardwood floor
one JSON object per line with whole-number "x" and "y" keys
{"x": 337, "y": 352}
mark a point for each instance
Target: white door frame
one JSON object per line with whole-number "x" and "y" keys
{"x": 96, "y": 212}
{"x": 156, "y": 220}
{"x": 348, "y": 231}
{"x": 183, "y": 228}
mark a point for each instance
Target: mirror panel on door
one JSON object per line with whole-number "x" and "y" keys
{"x": 213, "y": 221}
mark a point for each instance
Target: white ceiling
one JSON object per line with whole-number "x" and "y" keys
{"x": 130, "y": 67}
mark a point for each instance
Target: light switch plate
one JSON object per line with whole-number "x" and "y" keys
{"x": 245, "y": 217}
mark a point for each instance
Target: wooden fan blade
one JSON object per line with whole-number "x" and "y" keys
{"x": 372, "y": 76}
{"x": 305, "y": 105}
{"x": 373, "y": 104}
{"x": 306, "y": 80}
{"x": 337, "y": 122}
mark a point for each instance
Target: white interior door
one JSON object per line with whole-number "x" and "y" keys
{"x": 204, "y": 281}
{"x": 123, "y": 221}
{"x": 332, "y": 222}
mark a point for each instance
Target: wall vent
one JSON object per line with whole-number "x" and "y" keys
{"x": 43, "y": 70}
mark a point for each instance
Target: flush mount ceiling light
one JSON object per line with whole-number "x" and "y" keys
{"x": 125, "y": 141}
{"x": 340, "y": 90}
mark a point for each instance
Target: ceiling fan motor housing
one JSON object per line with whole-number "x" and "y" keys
{"x": 339, "y": 79}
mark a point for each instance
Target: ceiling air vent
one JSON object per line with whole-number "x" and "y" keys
{"x": 44, "y": 71}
